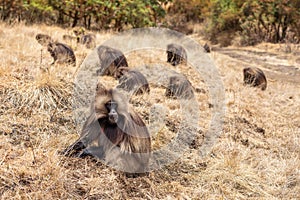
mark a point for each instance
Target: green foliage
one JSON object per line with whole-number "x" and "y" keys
{"x": 100, "y": 13}
{"x": 137, "y": 13}
{"x": 224, "y": 18}
{"x": 37, "y": 4}
{"x": 271, "y": 21}
{"x": 252, "y": 20}
{"x": 189, "y": 10}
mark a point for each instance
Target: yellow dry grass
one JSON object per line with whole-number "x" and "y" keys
{"x": 256, "y": 157}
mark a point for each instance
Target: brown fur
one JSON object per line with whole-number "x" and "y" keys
{"x": 89, "y": 40}
{"x": 110, "y": 60}
{"x": 179, "y": 87}
{"x": 124, "y": 145}
{"x": 206, "y": 48}
{"x": 43, "y": 39}
{"x": 132, "y": 81}
{"x": 255, "y": 77}
{"x": 69, "y": 38}
{"x": 176, "y": 54}
{"x": 61, "y": 53}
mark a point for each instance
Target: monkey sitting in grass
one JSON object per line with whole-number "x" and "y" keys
{"x": 61, "y": 53}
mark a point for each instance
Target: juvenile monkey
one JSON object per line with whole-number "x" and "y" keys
{"x": 86, "y": 39}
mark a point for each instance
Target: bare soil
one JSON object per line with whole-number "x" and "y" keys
{"x": 276, "y": 63}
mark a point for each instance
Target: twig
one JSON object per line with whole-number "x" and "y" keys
{"x": 41, "y": 59}
{"x": 4, "y": 157}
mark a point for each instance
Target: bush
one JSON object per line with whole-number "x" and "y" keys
{"x": 271, "y": 21}
{"x": 255, "y": 20}
{"x": 252, "y": 20}
{"x": 98, "y": 14}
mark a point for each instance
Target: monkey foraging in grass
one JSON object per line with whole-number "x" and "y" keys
{"x": 114, "y": 132}
{"x": 179, "y": 87}
{"x": 61, "y": 53}
{"x": 110, "y": 60}
{"x": 255, "y": 77}
{"x": 132, "y": 81}
{"x": 69, "y": 38}
{"x": 176, "y": 54}
{"x": 89, "y": 40}
{"x": 206, "y": 48}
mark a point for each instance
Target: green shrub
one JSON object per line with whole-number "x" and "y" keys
{"x": 99, "y": 14}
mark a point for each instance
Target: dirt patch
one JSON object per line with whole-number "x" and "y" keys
{"x": 276, "y": 65}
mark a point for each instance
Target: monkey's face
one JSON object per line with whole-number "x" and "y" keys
{"x": 43, "y": 40}
{"x": 113, "y": 115}
{"x": 110, "y": 105}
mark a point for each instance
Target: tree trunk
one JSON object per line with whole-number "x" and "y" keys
{"x": 60, "y": 19}
{"x": 75, "y": 19}
{"x": 285, "y": 25}
{"x": 89, "y": 22}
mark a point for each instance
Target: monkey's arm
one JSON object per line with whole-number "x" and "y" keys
{"x": 90, "y": 133}
{"x": 74, "y": 149}
{"x": 140, "y": 132}
{"x": 91, "y": 130}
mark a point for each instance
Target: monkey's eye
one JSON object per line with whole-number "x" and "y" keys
{"x": 111, "y": 105}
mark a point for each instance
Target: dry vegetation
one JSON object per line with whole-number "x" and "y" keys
{"x": 256, "y": 157}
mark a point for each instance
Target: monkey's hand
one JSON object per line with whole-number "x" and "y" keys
{"x": 73, "y": 150}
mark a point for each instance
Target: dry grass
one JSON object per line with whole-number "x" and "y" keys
{"x": 256, "y": 157}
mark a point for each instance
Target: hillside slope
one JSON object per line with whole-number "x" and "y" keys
{"x": 256, "y": 156}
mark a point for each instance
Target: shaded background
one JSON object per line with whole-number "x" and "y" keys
{"x": 252, "y": 21}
